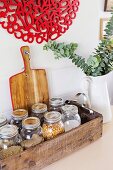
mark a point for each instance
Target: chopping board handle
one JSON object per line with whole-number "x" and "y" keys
{"x": 25, "y": 51}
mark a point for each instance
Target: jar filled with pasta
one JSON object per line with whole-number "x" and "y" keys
{"x": 52, "y": 125}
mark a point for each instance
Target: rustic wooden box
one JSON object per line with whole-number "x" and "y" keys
{"x": 41, "y": 155}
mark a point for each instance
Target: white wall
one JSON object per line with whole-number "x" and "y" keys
{"x": 84, "y": 31}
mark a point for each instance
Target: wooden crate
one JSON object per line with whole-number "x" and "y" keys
{"x": 46, "y": 153}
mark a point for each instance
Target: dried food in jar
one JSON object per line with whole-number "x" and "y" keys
{"x": 53, "y": 125}
{"x": 30, "y": 126}
{"x": 56, "y": 104}
{"x": 13, "y": 150}
{"x": 17, "y": 117}
{"x": 70, "y": 117}
{"x": 38, "y": 110}
{"x": 36, "y": 139}
{"x": 9, "y": 136}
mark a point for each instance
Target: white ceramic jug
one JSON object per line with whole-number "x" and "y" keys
{"x": 98, "y": 93}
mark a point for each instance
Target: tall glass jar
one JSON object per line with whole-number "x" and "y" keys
{"x": 3, "y": 120}
{"x": 17, "y": 117}
{"x": 38, "y": 110}
{"x": 30, "y": 126}
{"x": 9, "y": 136}
{"x": 70, "y": 117}
{"x": 52, "y": 125}
{"x": 56, "y": 104}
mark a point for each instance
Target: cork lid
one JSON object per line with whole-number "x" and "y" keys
{"x": 19, "y": 114}
{"x": 31, "y": 123}
{"x": 39, "y": 108}
{"x": 52, "y": 117}
{"x": 8, "y": 131}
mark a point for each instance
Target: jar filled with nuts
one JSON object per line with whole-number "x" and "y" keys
{"x": 3, "y": 120}
{"x": 30, "y": 127}
{"x": 38, "y": 110}
{"x": 56, "y": 104}
{"x": 9, "y": 136}
{"x": 52, "y": 125}
{"x": 17, "y": 117}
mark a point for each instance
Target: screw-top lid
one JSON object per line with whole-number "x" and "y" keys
{"x": 39, "y": 108}
{"x": 8, "y": 131}
{"x": 3, "y": 120}
{"x": 52, "y": 117}
{"x": 19, "y": 114}
{"x": 31, "y": 123}
{"x": 67, "y": 109}
{"x": 56, "y": 102}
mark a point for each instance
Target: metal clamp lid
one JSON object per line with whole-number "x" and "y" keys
{"x": 52, "y": 117}
{"x": 56, "y": 102}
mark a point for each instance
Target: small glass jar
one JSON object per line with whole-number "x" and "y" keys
{"x": 56, "y": 104}
{"x": 30, "y": 126}
{"x": 17, "y": 117}
{"x": 3, "y": 120}
{"x": 38, "y": 110}
{"x": 9, "y": 136}
{"x": 70, "y": 117}
{"x": 52, "y": 125}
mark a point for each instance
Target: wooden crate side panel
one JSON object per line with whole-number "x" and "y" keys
{"x": 48, "y": 152}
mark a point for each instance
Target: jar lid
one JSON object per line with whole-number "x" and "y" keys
{"x": 31, "y": 123}
{"x": 19, "y": 114}
{"x": 69, "y": 109}
{"x": 8, "y": 131}
{"x": 3, "y": 120}
{"x": 39, "y": 108}
{"x": 56, "y": 102}
{"x": 52, "y": 117}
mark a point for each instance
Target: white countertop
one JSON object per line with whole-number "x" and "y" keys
{"x": 96, "y": 156}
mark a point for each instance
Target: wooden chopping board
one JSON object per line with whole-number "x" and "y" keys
{"x": 29, "y": 86}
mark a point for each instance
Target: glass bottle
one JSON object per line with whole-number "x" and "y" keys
{"x": 3, "y": 120}
{"x": 52, "y": 125}
{"x": 56, "y": 104}
{"x": 9, "y": 136}
{"x": 30, "y": 126}
{"x": 38, "y": 110}
{"x": 70, "y": 117}
{"x": 17, "y": 117}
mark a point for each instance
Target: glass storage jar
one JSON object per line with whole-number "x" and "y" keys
{"x": 38, "y": 110}
{"x": 52, "y": 125}
{"x": 56, "y": 104}
{"x": 30, "y": 126}
{"x": 9, "y": 136}
{"x": 3, "y": 120}
{"x": 70, "y": 117}
{"x": 17, "y": 117}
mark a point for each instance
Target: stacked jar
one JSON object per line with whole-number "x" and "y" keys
{"x": 38, "y": 110}
{"x": 70, "y": 117}
{"x": 56, "y": 104}
{"x": 18, "y": 116}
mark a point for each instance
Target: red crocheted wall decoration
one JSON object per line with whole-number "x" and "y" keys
{"x": 39, "y": 20}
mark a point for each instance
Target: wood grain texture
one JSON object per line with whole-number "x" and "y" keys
{"x": 50, "y": 151}
{"x": 30, "y": 86}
